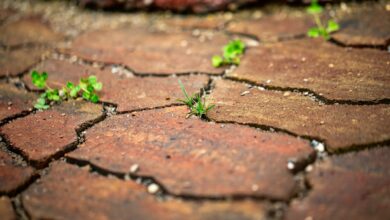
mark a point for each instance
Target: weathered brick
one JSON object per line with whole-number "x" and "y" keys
{"x": 79, "y": 194}
{"x": 151, "y": 52}
{"x": 6, "y": 13}
{"x": 6, "y": 210}
{"x": 273, "y": 27}
{"x": 365, "y": 27}
{"x": 17, "y": 61}
{"x": 42, "y": 135}
{"x": 192, "y": 157}
{"x": 331, "y": 71}
{"x": 14, "y": 101}
{"x": 350, "y": 186}
{"x": 13, "y": 172}
{"x": 129, "y": 93}
{"x": 340, "y": 126}
{"x": 27, "y": 30}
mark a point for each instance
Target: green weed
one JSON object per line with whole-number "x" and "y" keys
{"x": 231, "y": 54}
{"x": 321, "y": 30}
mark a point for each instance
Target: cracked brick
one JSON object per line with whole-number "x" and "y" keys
{"x": 13, "y": 172}
{"x": 340, "y": 126}
{"x": 351, "y": 186}
{"x": 16, "y": 62}
{"x": 14, "y": 101}
{"x": 6, "y": 210}
{"x": 151, "y": 52}
{"x": 273, "y": 27}
{"x": 129, "y": 93}
{"x": 79, "y": 194}
{"x": 45, "y": 134}
{"x": 193, "y": 157}
{"x": 333, "y": 72}
{"x": 365, "y": 27}
{"x": 27, "y": 30}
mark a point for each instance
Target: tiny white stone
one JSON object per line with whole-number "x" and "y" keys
{"x": 134, "y": 168}
{"x": 244, "y": 93}
{"x": 255, "y": 187}
{"x": 268, "y": 81}
{"x": 153, "y": 188}
{"x": 290, "y": 165}
{"x": 305, "y": 80}
{"x": 309, "y": 168}
{"x": 320, "y": 147}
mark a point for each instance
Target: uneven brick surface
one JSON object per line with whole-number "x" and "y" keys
{"x": 5, "y": 13}
{"x": 27, "y": 30}
{"x": 372, "y": 29}
{"x": 351, "y": 186}
{"x": 83, "y": 195}
{"x": 333, "y": 72}
{"x": 15, "y": 62}
{"x": 44, "y": 134}
{"x": 6, "y": 210}
{"x": 341, "y": 126}
{"x": 191, "y": 22}
{"x": 151, "y": 52}
{"x": 129, "y": 93}
{"x": 14, "y": 101}
{"x": 13, "y": 172}
{"x": 163, "y": 142}
{"x": 272, "y": 28}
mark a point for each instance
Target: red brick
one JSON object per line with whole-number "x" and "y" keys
{"x": 340, "y": 126}
{"x": 193, "y": 157}
{"x": 69, "y": 192}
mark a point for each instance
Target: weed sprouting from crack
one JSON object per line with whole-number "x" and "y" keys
{"x": 321, "y": 30}
{"x": 196, "y": 103}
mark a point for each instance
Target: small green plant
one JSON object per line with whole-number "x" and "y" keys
{"x": 195, "y": 103}
{"x": 88, "y": 88}
{"x": 231, "y": 54}
{"x": 316, "y": 9}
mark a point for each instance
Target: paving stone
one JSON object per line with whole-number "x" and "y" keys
{"x": 340, "y": 126}
{"x": 13, "y": 172}
{"x": 79, "y": 194}
{"x": 45, "y": 134}
{"x": 6, "y": 210}
{"x": 272, "y": 28}
{"x": 331, "y": 71}
{"x": 129, "y": 93}
{"x": 151, "y": 52}
{"x": 5, "y": 13}
{"x": 365, "y": 27}
{"x": 27, "y": 30}
{"x": 14, "y": 101}
{"x": 15, "y": 62}
{"x": 350, "y": 186}
{"x": 192, "y": 22}
{"x": 188, "y": 159}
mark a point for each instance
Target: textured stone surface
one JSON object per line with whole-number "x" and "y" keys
{"x": 333, "y": 72}
{"x": 192, "y": 22}
{"x": 192, "y": 157}
{"x": 365, "y": 27}
{"x": 151, "y": 52}
{"x": 6, "y": 13}
{"x": 129, "y": 93}
{"x": 13, "y": 172}
{"x": 6, "y": 210}
{"x": 15, "y": 62}
{"x": 79, "y": 194}
{"x": 44, "y": 134}
{"x": 27, "y": 30}
{"x": 341, "y": 126}
{"x": 351, "y": 186}
{"x": 272, "y": 28}
{"x": 14, "y": 101}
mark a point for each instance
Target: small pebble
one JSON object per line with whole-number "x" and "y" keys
{"x": 331, "y": 65}
{"x": 134, "y": 168}
{"x": 268, "y": 81}
{"x": 244, "y": 93}
{"x": 290, "y": 165}
{"x": 255, "y": 187}
{"x": 153, "y": 188}
{"x": 286, "y": 93}
{"x": 309, "y": 168}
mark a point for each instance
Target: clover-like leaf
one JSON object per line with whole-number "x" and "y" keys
{"x": 314, "y": 32}
{"x": 39, "y": 80}
{"x": 332, "y": 26}
{"x": 314, "y": 8}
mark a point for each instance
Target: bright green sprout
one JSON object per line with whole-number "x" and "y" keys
{"x": 321, "y": 30}
{"x": 195, "y": 103}
{"x": 231, "y": 54}
{"x": 87, "y": 86}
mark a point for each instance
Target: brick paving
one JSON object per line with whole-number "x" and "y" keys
{"x": 299, "y": 129}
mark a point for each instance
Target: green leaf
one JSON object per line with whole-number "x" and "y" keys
{"x": 94, "y": 98}
{"x": 98, "y": 86}
{"x": 332, "y": 26}
{"x": 217, "y": 61}
{"x": 53, "y": 95}
{"x": 41, "y": 104}
{"x": 314, "y": 8}
{"x": 314, "y": 32}
{"x": 39, "y": 80}
{"x": 92, "y": 80}
{"x": 74, "y": 91}
{"x": 86, "y": 95}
